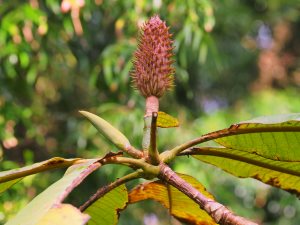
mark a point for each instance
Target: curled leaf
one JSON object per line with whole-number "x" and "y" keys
{"x": 54, "y": 163}
{"x": 107, "y": 130}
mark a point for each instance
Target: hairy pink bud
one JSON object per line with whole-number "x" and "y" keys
{"x": 153, "y": 71}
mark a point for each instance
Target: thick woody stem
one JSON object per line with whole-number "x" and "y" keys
{"x": 146, "y": 135}
{"x": 152, "y": 106}
{"x": 217, "y": 211}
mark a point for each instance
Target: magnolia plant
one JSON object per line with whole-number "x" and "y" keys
{"x": 266, "y": 148}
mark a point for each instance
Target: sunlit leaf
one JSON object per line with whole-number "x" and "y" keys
{"x": 274, "y": 137}
{"x": 49, "y": 164}
{"x": 107, "y": 130}
{"x": 179, "y": 205}
{"x": 54, "y": 194}
{"x": 105, "y": 211}
{"x": 165, "y": 120}
{"x": 64, "y": 214}
{"x": 281, "y": 174}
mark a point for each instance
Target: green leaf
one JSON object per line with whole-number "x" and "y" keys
{"x": 274, "y": 137}
{"x": 64, "y": 214}
{"x": 49, "y": 164}
{"x": 4, "y": 186}
{"x": 165, "y": 120}
{"x": 281, "y": 174}
{"x": 107, "y": 130}
{"x": 54, "y": 194}
{"x": 174, "y": 200}
{"x": 105, "y": 210}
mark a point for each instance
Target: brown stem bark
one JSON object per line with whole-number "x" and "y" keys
{"x": 217, "y": 211}
{"x": 152, "y": 152}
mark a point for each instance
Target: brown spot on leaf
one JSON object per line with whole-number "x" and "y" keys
{"x": 254, "y": 152}
{"x": 273, "y": 181}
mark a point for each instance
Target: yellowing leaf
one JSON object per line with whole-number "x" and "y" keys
{"x": 49, "y": 164}
{"x": 64, "y": 214}
{"x": 11, "y": 177}
{"x": 179, "y": 205}
{"x": 105, "y": 210}
{"x": 165, "y": 120}
{"x": 55, "y": 194}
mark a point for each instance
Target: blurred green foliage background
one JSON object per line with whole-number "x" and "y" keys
{"x": 234, "y": 60}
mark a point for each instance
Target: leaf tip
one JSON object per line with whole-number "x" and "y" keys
{"x": 82, "y": 112}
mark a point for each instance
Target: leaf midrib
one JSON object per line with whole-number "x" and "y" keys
{"x": 212, "y": 152}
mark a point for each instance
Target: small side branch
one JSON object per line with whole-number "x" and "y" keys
{"x": 217, "y": 211}
{"x": 167, "y": 156}
{"x": 149, "y": 171}
{"x": 134, "y": 163}
{"x": 133, "y": 152}
{"x": 104, "y": 190}
{"x": 153, "y": 153}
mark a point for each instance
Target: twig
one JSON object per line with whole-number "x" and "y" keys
{"x": 217, "y": 211}
{"x": 136, "y": 163}
{"x": 149, "y": 171}
{"x": 167, "y": 156}
{"x": 134, "y": 152}
{"x": 153, "y": 153}
{"x": 103, "y": 190}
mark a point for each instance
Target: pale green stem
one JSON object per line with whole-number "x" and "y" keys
{"x": 147, "y": 133}
{"x": 139, "y": 163}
